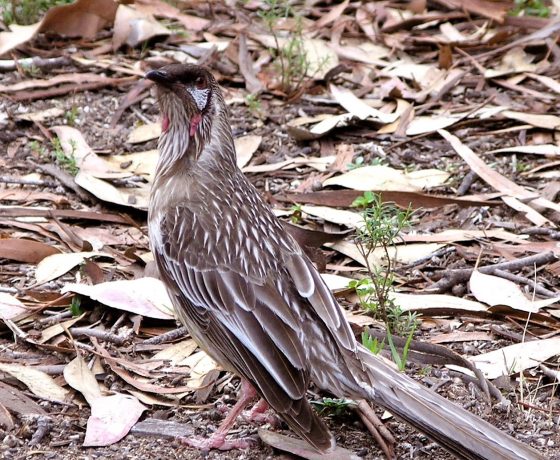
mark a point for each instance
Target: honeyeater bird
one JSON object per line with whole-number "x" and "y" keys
{"x": 255, "y": 303}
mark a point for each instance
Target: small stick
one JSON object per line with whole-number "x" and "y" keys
{"x": 452, "y": 277}
{"x": 167, "y": 337}
{"x": 101, "y": 335}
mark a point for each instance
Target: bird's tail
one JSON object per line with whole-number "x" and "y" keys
{"x": 459, "y": 431}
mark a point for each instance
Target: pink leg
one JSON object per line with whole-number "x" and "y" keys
{"x": 258, "y": 414}
{"x": 218, "y": 439}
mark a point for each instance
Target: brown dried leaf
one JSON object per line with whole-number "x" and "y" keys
{"x": 27, "y": 251}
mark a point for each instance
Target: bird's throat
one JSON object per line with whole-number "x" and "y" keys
{"x": 195, "y": 121}
{"x": 165, "y": 123}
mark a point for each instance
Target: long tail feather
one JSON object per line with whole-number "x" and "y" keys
{"x": 462, "y": 433}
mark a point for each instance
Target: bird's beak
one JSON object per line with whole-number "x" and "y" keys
{"x": 158, "y": 76}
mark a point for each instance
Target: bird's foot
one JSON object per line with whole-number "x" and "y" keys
{"x": 259, "y": 414}
{"x": 218, "y": 441}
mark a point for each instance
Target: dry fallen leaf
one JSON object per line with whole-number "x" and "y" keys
{"x": 134, "y": 27}
{"x": 494, "y": 290}
{"x": 245, "y": 147}
{"x": 38, "y": 382}
{"x": 515, "y": 358}
{"x": 81, "y": 378}
{"x": 56, "y": 265}
{"x": 385, "y": 178}
{"x": 143, "y": 296}
{"x": 111, "y": 419}
{"x": 10, "y": 307}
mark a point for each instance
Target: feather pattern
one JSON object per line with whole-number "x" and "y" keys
{"x": 256, "y": 304}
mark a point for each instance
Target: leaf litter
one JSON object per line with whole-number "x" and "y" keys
{"x": 447, "y": 106}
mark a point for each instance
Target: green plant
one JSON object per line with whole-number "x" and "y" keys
{"x": 372, "y": 343}
{"x": 75, "y": 305}
{"x": 290, "y": 55}
{"x": 66, "y": 161}
{"x": 27, "y": 11}
{"x": 530, "y": 8}
{"x": 381, "y": 226}
{"x": 296, "y": 216}
{"x": 71, "y": 116}
{"x": 254, "y": 104}
{"x": 333, "y": 406}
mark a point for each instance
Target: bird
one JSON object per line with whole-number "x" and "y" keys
{"x": 254, "y": 301}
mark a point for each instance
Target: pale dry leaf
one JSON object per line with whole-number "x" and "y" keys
{"x": 81, "y": 378}
{"x": 515, "y": 358}
{"x": 125, "y": 196}
{"x": 111, "y": 419}
{"x": 548, "y": 150}
{"x": 38, "y": 382}
{"x": 516, "y": 60}
{"x": 551, "y": 83}
{"x": 144, "y": 133}
{"x": 141, "y": 164}
{"x": 358, "y": 107}
{"x": 177, "y": 352}
{"x": 385, "y": 178}
{"x": 534, "y": 119}
{"x": 494, "y": 290}
{"x": 143, "y": 296}
{"x": 56, "y": 329}
{"x": 134, "y": 27}
{"x": 17, "y": 35}
{"x": 52, "y": 267}
{"x": 10, "y": 307}
{"x": 435, "y": 301}
{"x": 245, "y": 148}
{"x": 336, "y": 282}
{"x": 404, "y": 254}
{"x": 200, "y": 364}
{"x": 338, "y": 216}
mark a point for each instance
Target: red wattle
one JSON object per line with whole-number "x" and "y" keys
{"x": 165, "y": 123}
{"x": 195, "y": 121}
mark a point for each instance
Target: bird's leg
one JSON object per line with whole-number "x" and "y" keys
{"x": 218, "y": 439}
{"x": 379, "y": 431}
{"x": 259, "y": 414}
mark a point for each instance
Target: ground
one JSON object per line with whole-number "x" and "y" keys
{"x": 532, "y": 416}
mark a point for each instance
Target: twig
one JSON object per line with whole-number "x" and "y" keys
{"x": 523, "y": 280}
{"x": 450, "y": 278}
{"x": 44, "y": 424}
{"x": 27, "y": 181}
{"x": 8, "y": 65}
{"x": 167, "y": 337}
{"x": 101, "y": 335}
{"x": 66, "y": 180}
{"x": 466, "y": 183}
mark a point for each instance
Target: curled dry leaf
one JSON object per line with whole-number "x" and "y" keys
{"x": 39, "y": 383}
{"x": 494, "y": 290}
{"x": 245, "y": 147}
{"x": 52, "y": 267}
{"x": 111, "y": 419}
{"x": 143, "y": 296}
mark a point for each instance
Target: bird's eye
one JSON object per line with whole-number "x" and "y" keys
{"x": 200, "y": 83}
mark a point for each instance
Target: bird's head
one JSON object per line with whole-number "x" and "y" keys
{"x": 188, "y": 97}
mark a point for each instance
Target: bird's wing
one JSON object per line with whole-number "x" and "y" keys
{"x": 240, "y": 318}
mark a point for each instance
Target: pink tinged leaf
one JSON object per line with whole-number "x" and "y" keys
{"x": 111, "y": 419}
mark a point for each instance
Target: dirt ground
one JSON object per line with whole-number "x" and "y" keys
{"x": 533, "y": 414}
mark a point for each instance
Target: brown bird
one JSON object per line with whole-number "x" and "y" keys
{"x": 252, "y": 299}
